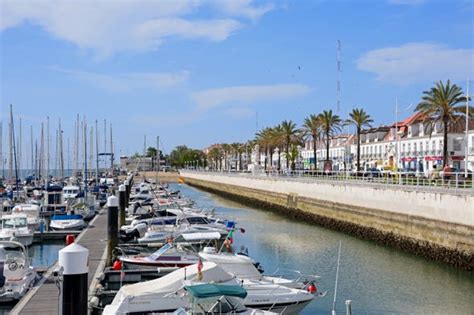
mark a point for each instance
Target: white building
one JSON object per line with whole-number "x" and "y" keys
{"x": 404, "y": 144}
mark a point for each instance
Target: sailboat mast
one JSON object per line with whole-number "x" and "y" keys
{"x": 97, "y": 154}
{"x": 19, "y": 148}
{"x": 61, "y": 154}
{"x": 48, "y": 157}
{"x": 85, "y": 156}
{"x": 14, "y": 148}
{"x": 111, "y": 152}
{"x": 10, "y": 152}
{"x": 32, "y": 166}
{"x": 41, "y": 155}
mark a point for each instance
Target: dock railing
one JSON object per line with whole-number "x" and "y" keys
{"x": 453, "y": 182}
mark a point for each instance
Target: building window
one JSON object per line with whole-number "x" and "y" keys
{"x": 457, "y": 144}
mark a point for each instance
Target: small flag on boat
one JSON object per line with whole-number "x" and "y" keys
{"x": 230, "y": 236}
{"x": 199, "y": 269}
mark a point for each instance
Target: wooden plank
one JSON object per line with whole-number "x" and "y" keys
{"x": 44, "y": 299}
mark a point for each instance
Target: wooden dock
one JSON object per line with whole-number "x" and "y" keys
{"x": 43, "y": 298}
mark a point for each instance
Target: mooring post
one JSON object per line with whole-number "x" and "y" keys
{"x": 112, "y": 226}
{"x": 73, "y": 262}
{"x": 127, "y": 192}
{"x": 122, "y": 201}
{"x": 348, "y": 307}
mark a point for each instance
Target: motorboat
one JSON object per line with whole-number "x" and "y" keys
{"x": 14, "y": 227}
{"x": 244, "y": 267}
{"x": 193, "y": 233}
{"x": 218, "y": 299}
{"x": 86, "y": 206}
{"x": 17, "y": 275}
{"x": 71, "y": 192}
{"x": 168, "y": 255}
{"x": 67, "y": 222}
{"x": 32, "y": 212}
{"x": 167, "y": 294}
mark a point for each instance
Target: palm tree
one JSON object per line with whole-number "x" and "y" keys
{"x": 278, "y": 141}
{"x": 289, "y": 132}
{"x": 441, "y": 105}
{"x": 226, "y": 149}
{"x": 359, "y": 119}
{"x": 312, "y": 128}
{"x": 264, "y": 138}
{"x": 330, "y": 124}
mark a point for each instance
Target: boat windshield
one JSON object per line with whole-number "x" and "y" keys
{"x": 217, "y": 305}
{"x": 159, "y": 252}
{"x": 13, "y": 222}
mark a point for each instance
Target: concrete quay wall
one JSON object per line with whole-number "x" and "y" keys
{"x": 439, "y": 226}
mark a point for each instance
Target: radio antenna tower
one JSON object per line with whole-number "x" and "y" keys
{"x": 338, "y": 76}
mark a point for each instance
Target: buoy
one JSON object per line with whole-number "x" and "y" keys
{"x": 312, "y": 288}
{"x": 70, "y": 239}
{"x": 117, "y": 265}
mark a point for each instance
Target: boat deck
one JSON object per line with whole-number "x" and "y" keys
{"x": 43, "y": 298}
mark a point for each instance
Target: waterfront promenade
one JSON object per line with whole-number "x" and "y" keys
{"x": 434, "y": 222}
{"x": 43, "y": 298}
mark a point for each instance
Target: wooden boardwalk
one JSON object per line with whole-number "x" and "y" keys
{"x": 44, "y": 297}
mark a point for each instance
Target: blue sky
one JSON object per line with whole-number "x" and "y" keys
{"x": 197, "y": 72}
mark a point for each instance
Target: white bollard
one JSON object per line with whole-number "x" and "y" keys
{"x": 74, "y": 262}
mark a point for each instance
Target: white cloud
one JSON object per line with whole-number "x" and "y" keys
{"x": 107, "y": 27}
{"x": 128, "y": 81}
{"x": 418, "y": 62}
{"x": 208, "y": 99}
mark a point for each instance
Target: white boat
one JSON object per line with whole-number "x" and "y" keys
{"x": 32, "y": 212}
{"x": 67, "y": 222}
{"x": 168, "y": 255}
{"x": 167, "y": 294}
{"x": 17, "y": 275}
{"x": 243, "y": 267}
{"x": 70, "y": 192}
{"x": 14, "y": 227}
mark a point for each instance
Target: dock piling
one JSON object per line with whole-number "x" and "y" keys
{"x": 73, "y": 261}
{"x": 112, "y": 226}
{"x": 122, "y": 201}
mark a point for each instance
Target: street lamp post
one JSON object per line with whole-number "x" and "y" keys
{"x": 466, "y": 153}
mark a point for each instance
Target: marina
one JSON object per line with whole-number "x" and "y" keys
{"x": 236, "y": 157}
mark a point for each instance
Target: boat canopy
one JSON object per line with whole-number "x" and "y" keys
{"x": 67, "y": 217}
{"x": 174, "y": 281}
{"x": 202, "y": 291}
{"x": 198, "y": 236}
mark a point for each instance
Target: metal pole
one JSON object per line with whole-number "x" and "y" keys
{"x": 467, "y": 132}
{"x": 348, "y": 307}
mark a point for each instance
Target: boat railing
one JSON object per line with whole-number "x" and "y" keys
{"x": 296, "y": 276}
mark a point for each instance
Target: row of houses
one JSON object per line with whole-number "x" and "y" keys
{"x": 405, "y": 145}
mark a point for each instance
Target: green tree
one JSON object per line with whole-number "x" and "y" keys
{"x": 290, "y": 133}
{"x": 264, "y": 138}
{"x": 312, "y": 129}
{"x": 330, "y": 124}
{"x": 441, "y": 105}
{"x": 359, "y": 119}
{"x": 151, "y": 152}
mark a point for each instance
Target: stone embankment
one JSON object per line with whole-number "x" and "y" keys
{"x": 436, "y": 225}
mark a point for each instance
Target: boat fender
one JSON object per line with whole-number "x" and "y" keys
{"x": 117, "y": 265}
{"x": 312, "y": 288}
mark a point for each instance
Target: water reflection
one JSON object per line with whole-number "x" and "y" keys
{"x": 379, "y": 280}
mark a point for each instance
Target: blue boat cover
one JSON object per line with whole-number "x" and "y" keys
{"x": 67, "y": 217}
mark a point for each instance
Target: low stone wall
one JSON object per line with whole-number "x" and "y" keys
{"x": 442, "y": 240}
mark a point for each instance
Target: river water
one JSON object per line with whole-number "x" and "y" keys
{"x": 378, "y": 280}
